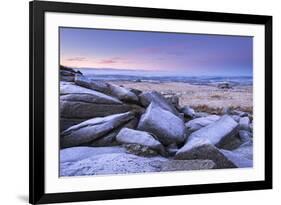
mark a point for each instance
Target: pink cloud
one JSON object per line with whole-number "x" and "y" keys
{"x": 77, "y": 59}
{"x": 113, "y": 60}
{"x": 107, "y": 61}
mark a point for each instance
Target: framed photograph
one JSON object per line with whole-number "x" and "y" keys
{"x": 140, "y": 102}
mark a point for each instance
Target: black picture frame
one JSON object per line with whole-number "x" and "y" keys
{"x": 37, "y": 194}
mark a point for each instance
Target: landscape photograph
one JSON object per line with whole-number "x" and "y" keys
{"x": 147, "y": 101}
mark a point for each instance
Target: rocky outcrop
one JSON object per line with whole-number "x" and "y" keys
{"x": 147, "y": 97}
{"x": 94, "y": 96}
{"x": 121, "y": 93}
{"x": 79, "y": 161}
{"x": 78, "y": 102}
{"x": 167, "y": 127}
{"x": 68, "y": 74}
{"x": 93, "y": 129}
{"x": 110, "y": 129}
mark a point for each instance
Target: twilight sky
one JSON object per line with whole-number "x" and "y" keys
{"x": 189, "y": 54}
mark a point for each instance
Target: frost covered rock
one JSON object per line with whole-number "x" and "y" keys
{"x": 203, "y": 143}
{"x": 147, "y": 97}
{"x": 110, "y": 163}
{"x": 107, "y": 88}
{"x": 188, "y": 112}
{"x": 87, "y": 106}
{"x": 93, "y": 96}
{"x": 122, "y": 93}
{"x": 79, "y": 102}
{"x": 167, "y": 127}
{"x": 244, "y": 123}
{"x": 200, "y": 122}
{"x": 202, "y": 149}
{"x": 99, "y": 86}
{"x": 218, "y": 133}
{"x": 93, "y": 129}
{"x": 185, "y": 165}
{"x": 130, "y": 136}
{"x": 246, "y": 149}
{"x": 238, "y": 159}
{"x": 74, "y": 154}
{"x": 70, "y": 88}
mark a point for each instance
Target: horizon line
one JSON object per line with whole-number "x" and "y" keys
{"x": 143, "y": 70}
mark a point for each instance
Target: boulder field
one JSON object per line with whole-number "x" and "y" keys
{"x": 109, "y": 129}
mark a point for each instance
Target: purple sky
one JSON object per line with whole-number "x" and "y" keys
{"x": 191, "y": 54}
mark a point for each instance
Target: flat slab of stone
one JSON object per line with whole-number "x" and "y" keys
{"x": 121, "y": 93}
{"x": 84, "y": 110}
{"x": 74, "y": 154}
{"x": 111, "y": 163}
{"x": 93, "y": 129}
{"x": 78, "y": 102}
{"x": 94, "y": 96}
